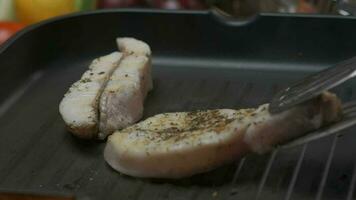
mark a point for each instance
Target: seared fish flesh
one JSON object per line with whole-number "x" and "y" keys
{"x": 175, "y": 145}
{"x": 79, "y": 107}
{"x": 122, "y": 101}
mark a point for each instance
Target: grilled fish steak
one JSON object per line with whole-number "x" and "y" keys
{"x": 122, "y": 101}
{"x": 79, "y": 107}
{"x": 110, "y": 94}
{"x": 175, "y": 145}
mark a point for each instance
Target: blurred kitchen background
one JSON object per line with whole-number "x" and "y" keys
{"x": 16, "y": 14}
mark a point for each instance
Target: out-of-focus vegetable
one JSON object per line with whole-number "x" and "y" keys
{"x": 7, "y": 29}
{"x": 306, "y": 7}
{"x": 177, "y": 4}
{"x": 31, "y": 11}
{"x": 85, "y": 5}
{"x": 118, "y": 3}
{"x": 6, "y": 10}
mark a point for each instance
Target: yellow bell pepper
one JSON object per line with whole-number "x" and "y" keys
{"x": 31, "y": 11}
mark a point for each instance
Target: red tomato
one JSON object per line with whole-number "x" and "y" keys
{"x": 7, "y": 29}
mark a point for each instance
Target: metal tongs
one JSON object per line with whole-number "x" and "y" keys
{"x": 311, "y": 87}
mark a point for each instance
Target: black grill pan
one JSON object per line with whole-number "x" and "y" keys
{"x": 201, "y": 60}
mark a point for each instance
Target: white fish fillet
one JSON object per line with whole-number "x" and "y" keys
{"x": 175, "y": 145}
{"x": 121, "y": 103}
{"x": 130, "y": 46}
{"x": 79, "y": 107}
